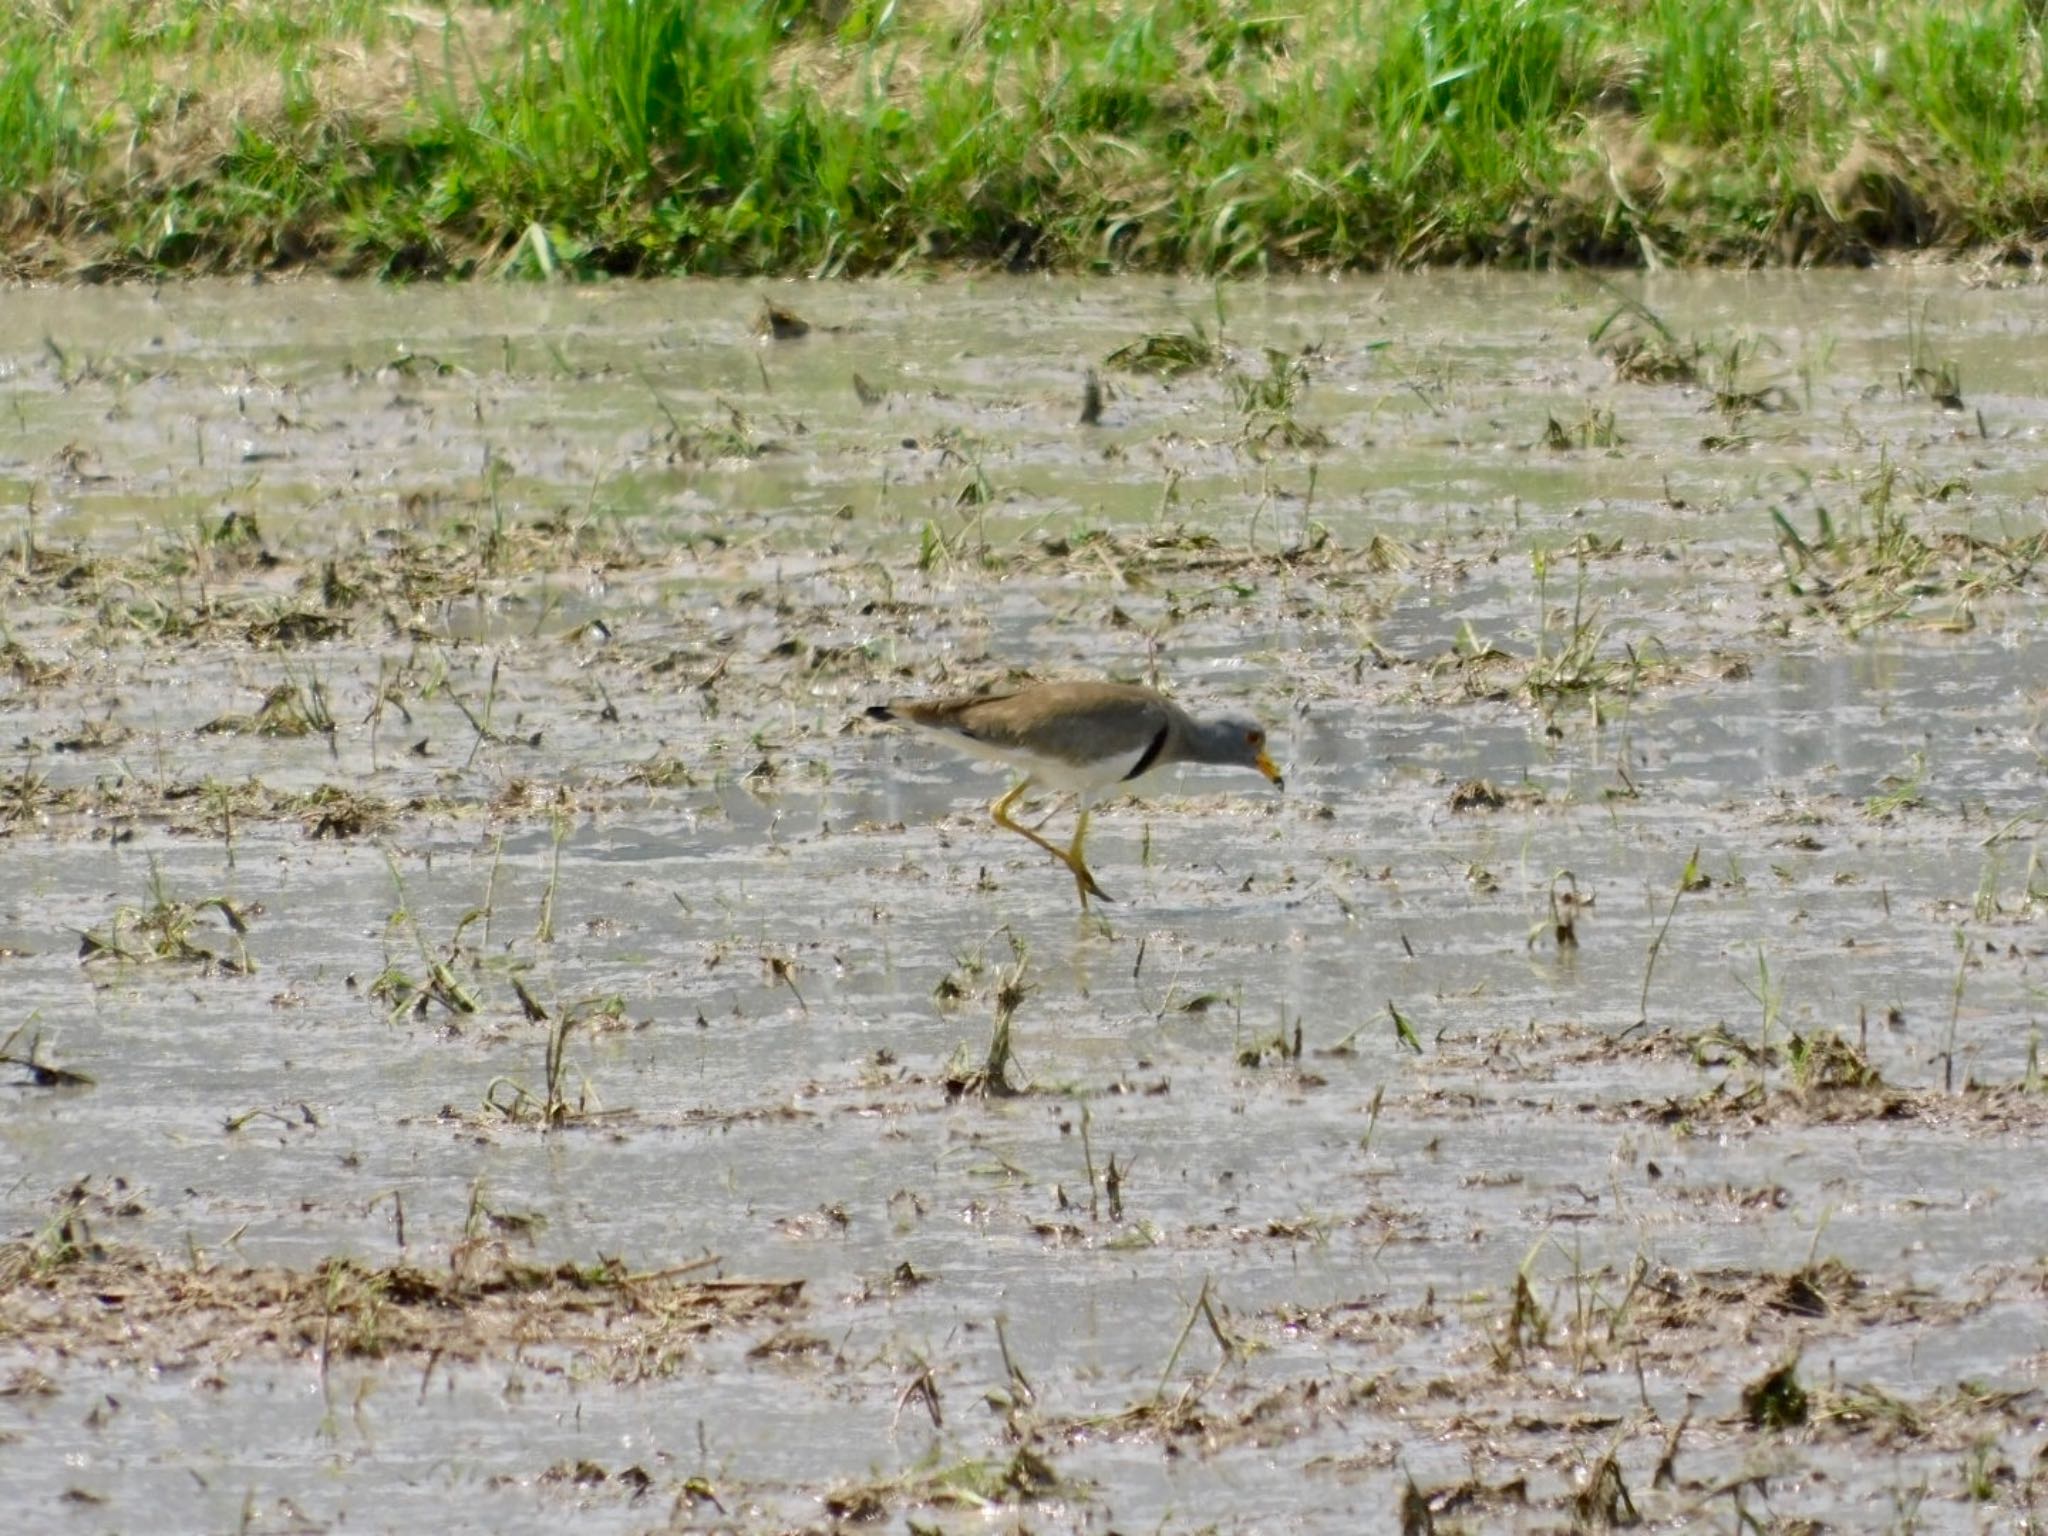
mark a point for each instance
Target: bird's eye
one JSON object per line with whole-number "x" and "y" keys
{"x": 1256, "y": 738}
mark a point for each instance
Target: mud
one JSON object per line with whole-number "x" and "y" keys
{"x": 493, "y": 1036}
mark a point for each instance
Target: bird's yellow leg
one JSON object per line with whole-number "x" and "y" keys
{"x": 1083, "y": 881}
{"x": 1001, "y": 811}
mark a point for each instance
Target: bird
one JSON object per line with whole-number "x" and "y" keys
{"x": 1087, "y": 738}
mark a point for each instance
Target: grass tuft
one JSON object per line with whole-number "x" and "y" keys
{"x": 752, "y": 136}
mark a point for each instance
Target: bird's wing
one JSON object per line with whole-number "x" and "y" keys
{"x": 1071, "y": 722}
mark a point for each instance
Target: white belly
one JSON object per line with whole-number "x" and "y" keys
{"x": 1091, "y": 779}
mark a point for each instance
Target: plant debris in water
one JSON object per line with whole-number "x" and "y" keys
{"x": 70, "y": 1293}
{"x": 1659, "y": 876}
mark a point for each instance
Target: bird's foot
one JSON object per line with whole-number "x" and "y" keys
{"x": 1084, "y": 883}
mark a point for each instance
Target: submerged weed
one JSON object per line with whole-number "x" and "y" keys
{"x": 1525, "y": 1326}
{"x": 1881, "y": 565}
{"x": 1603, "y": 1501}
{"x": 1691, "y": 878}
{"x": 1776, "y": 1400}
{"x": 41, "y": 1074}
{"x": 551, "y": 1107}
{"x": 1727, "y": 375}
{"x": 336, "y": 812}
{"x": 28, "y": 670}
{"x": 990, "y": 1077}
{"x": 64, "y": 1242}
{"x": 1280, "y": 1047}
{"x": 1573, "y": 661}
{"x": 1594, "y": 428}
{"x": 970, "y": 1484}
{"x": 1642, "y": 349}
{"x": 1167, "y": 354}
{"x": 1269, "y": 403}
{"x": 480, "y": 1301}
{"x": 779, "y": 324}
{"x": 663, "y": 770}
{"x": 1925, "y": 374}
{"x": 167, "y": 929}
{"x": 404, "y": 992}
{"x": 1898, "y": 791}
{"x": 25, "y": 795}
{"x": 295, "y": 707}
{"x": 286, "y": 628}
{"x": 729, "y": 438}
{"x": 1823, "y": 1063}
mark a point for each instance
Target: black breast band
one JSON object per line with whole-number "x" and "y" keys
{"x": 1151, "y": 755}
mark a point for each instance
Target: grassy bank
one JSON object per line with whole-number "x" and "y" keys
{"x": 852, "y": 135}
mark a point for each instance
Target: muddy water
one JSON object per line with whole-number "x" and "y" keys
{"x": 1744, "y": 667}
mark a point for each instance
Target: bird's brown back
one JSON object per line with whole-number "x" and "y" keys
{"x": 1073, "y": 722}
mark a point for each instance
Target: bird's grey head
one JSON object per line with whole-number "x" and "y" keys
{"x": 1237, "y": 741}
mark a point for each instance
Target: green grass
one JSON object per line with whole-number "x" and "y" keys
{"x": 747, "y": 136}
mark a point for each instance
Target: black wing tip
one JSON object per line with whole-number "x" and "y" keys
{"x": 880, "y": 712}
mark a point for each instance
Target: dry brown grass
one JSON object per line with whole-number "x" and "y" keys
{"x": 76, "y": 1296}
{"x": 200, "y": 98}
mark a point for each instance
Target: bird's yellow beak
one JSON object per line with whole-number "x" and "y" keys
{"x": 1265, "y": 765}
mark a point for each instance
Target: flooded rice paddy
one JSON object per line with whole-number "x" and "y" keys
{"x": 494, "y": 1038}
